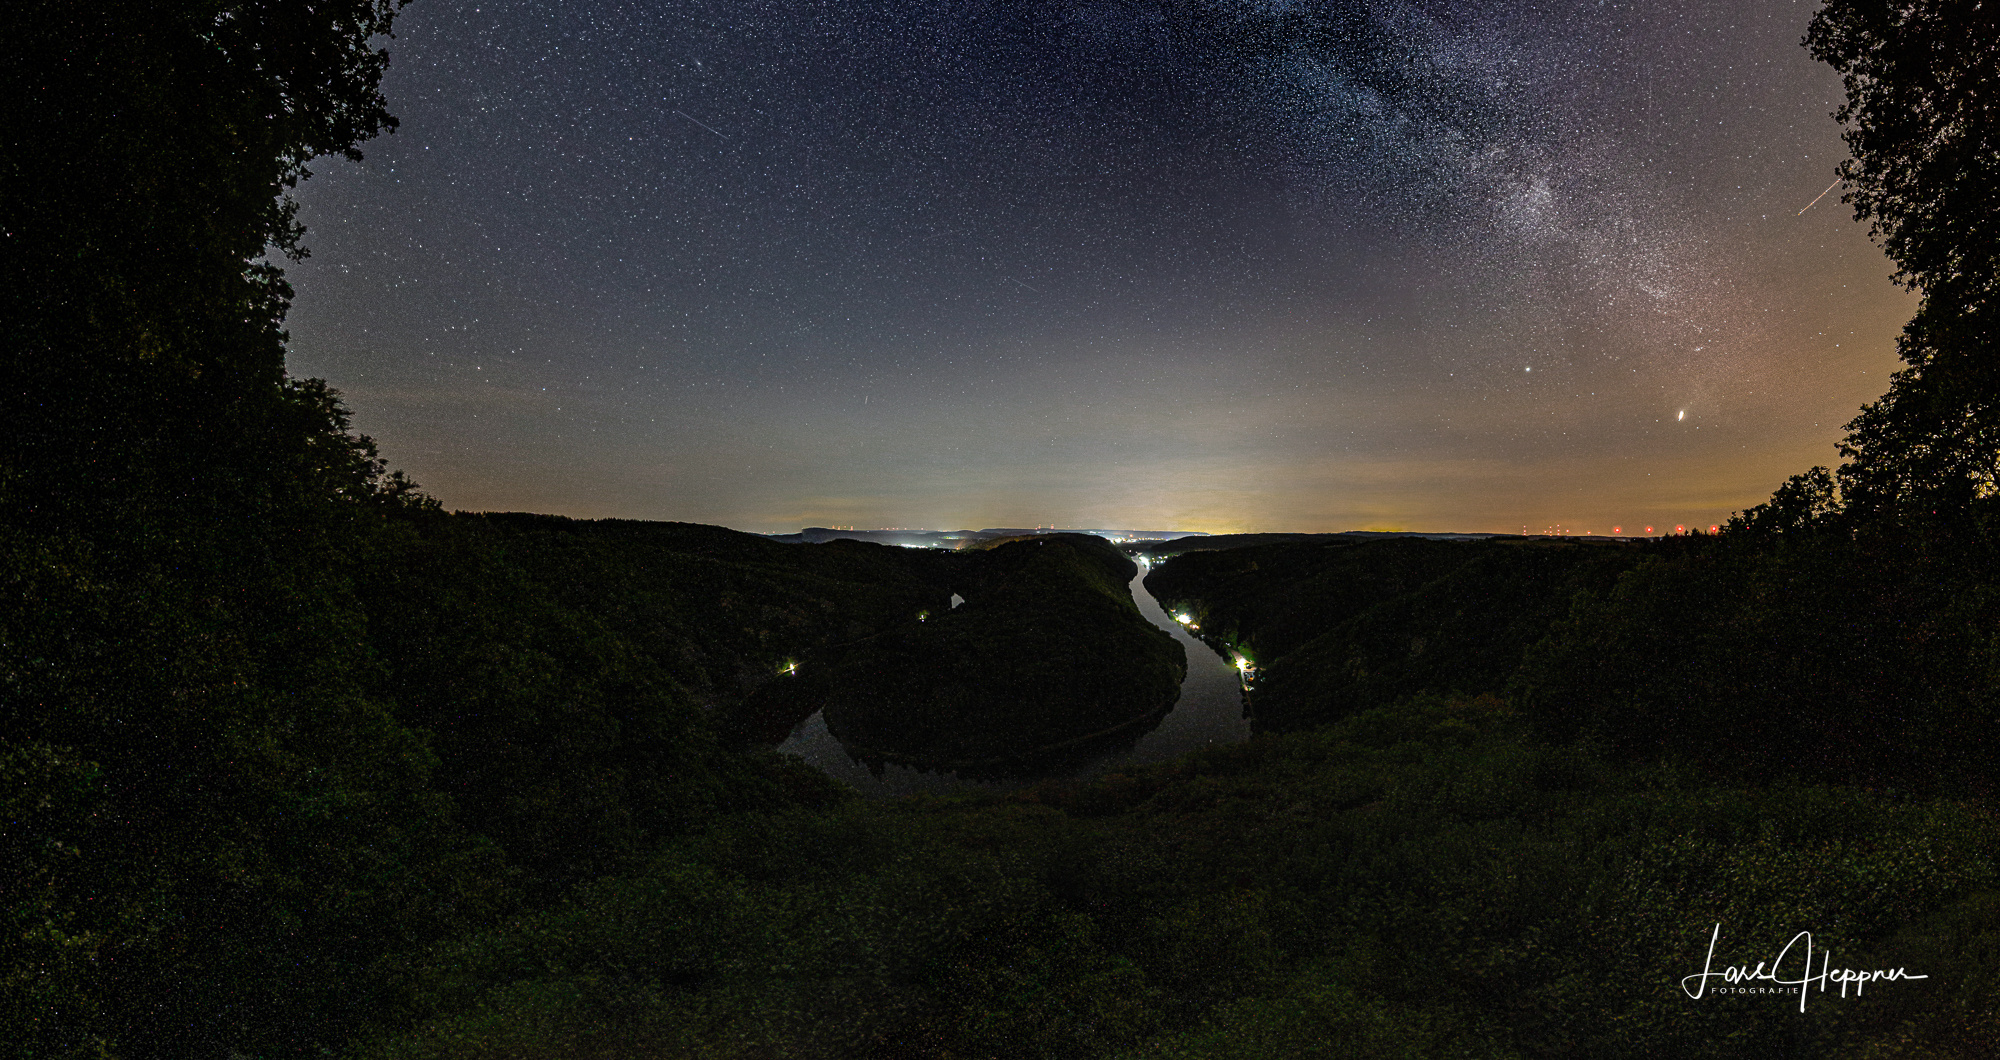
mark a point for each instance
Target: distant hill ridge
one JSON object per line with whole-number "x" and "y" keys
{"x": 814, "y": 535}
{"x": 1153, "y": 543}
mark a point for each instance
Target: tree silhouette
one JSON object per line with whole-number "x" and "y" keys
{"x": 148, "y": 148}
{"x": 1923, "y": 125}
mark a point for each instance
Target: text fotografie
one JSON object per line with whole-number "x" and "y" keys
{"x": 1774, "y": 972}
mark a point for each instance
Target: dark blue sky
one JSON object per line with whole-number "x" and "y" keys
{"x": 1198, "y": 265}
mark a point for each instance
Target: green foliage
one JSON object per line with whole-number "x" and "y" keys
{"x": 46, "y": 949}
{"x": 1419, "y": 879}
{"x": 1958, "y": 945}
{"x": 1925, "y": 139}
{"x": 183, "y": 655}
{"x": 1320, "y": 1014}
{"x": 1842, "y": 632}
{"x": 764, "y": 605}
{"x": 882, "y": 942}
{"x": 569, "y": 674}
{"x": 1779, "y": 649}
{"x": 1804, "y": 503}
{"x": 1047, "y": 650}
{"x": 242, "y": 778}
{"x": 1334, "y": 629}
{"x": 1842, "y": 659}
{"x": 268, "y": 716}
{"x": 147, "y": 146}
{"x": 1503, "y": 895}
{"x": 292, "y": 762}
{"x": 302, "y": 752}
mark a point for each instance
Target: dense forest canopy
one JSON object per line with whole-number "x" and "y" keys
{"x": 1924, "y": 130}
{"x": 148, "y": 149}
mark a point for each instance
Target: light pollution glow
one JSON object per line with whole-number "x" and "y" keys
{"x": 1081, "y": 272}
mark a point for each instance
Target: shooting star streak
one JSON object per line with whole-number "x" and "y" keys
{"x": 725, "y": 135}
{"x": 1024, "y": 285}
{"x": 1816, "y": 198}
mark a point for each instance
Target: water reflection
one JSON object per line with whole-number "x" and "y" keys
{"x": 1209, "y": 711}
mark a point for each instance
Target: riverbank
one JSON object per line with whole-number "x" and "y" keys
{"x": 1208, "y": 713}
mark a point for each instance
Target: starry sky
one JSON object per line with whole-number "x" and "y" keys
{"x": 1214, "y": 265}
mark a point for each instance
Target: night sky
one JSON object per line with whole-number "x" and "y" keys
{"x": 1153, "y": 265}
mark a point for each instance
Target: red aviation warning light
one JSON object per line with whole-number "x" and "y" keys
{"x": 1680, "y": 529}
{"x": 1714, "y": 529}
{"x": 1617, "y": 529}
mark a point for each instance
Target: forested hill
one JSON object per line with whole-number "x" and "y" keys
{"x": 1048, "y": 653}
{"x": 240, "y": 774}
{"x": 267, "y": 714}
{"x": 1860, "y": 657}
{"x": 1334, "y": 628}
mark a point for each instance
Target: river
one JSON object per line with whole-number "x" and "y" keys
{"x": 1209, "y": 711}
